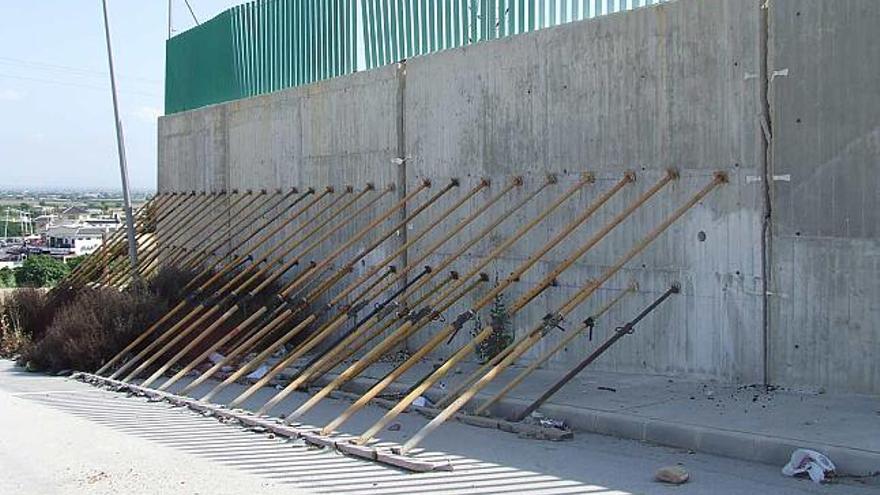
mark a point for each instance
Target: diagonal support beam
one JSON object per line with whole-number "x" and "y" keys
{"x": 557, "y": 317}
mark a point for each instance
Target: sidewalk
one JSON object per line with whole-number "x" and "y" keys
{"x": 740, "y": 422}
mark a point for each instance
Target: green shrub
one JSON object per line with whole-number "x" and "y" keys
{"x": 7, "y": 278}
{"x": 501, "y": 335}
{"x": 74, "y": 262}
{"x": 40, "y": 271}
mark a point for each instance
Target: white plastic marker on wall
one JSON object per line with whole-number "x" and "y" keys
{"x": 779, "y": 73}
{"x": 776, "y": 178}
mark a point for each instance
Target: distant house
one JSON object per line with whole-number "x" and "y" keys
{"x": 111, "y": 222}
{"x": 74, "y": 214}
{"x": 76, "y": 239}
{"x": 43, "y": 222}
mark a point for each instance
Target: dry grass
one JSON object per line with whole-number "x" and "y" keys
{"x": 12, "y": 339}
{"x": 81, "y": 329}
{"x": 25, "y": 315}
{"x": 93, "y": 328}
{"x": 169, "y": 282}
{"x": 84, "y": 328}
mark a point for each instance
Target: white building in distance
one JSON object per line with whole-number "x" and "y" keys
{"x": 76, "y": 239}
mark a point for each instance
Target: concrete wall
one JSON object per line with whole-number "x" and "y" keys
{"x": 679, "y": 85}
{"x": 825, "y": 118}
{"x": 334, "y": 133}
{"x": 646, "y": 90}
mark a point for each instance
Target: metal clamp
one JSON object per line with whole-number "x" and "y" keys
{"x": 590, "y": 324}
{"x": 415, "y": 316}
{"x": 625, "y": 329}
{"x": 551, "y": 321}
{"x": 386, "y": 309}
{"x": 463, "y": 318}
{"x": 459, "y": 322}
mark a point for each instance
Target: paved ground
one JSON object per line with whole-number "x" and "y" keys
{"x": 805, "y": 415}
{"x": 846, "y": 425}
{"x": 65, "y": 437}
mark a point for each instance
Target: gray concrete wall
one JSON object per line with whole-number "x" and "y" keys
{"x": 679, "y": 85}
{"x": 645, "y": 91}
{"x": 334, "y": 133}
{"x": 825, "y": 117}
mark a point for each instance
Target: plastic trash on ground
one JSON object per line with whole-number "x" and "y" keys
{"x": 816, "y": 465}
{"x": 259, "y": 373}
{"x": 538, "y": 419}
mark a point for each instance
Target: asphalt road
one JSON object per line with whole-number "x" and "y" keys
{"x": 59, "y": 436}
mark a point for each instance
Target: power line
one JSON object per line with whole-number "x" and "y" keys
{"x": 67, "y": 68}
{"x": 75, "y": 84}
{"x": 193, "y": 14}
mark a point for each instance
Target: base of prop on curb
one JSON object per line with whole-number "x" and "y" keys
{"x": 386, "y": 456}
{"x": 520, "y": 429}
{"x": 308, "y": 434}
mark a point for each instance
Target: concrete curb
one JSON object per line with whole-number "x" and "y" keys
{"x": 748, "y": 446}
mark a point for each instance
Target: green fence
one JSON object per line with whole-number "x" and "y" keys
{"x": 260, "y": 47}
{"x": 267, "y": 45}
{"x": 399, "y": 29}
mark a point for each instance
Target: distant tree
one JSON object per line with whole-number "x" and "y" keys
{"x": 7, "y": 278}
{"x": 12, "y": 229}
{"x": 72, "y": 263}
{"x": 40, "y": 271}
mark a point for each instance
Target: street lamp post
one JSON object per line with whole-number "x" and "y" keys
{"x": 120, "y": 144}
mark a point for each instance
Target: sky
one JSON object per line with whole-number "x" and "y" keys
{"x": 56, "y": 113}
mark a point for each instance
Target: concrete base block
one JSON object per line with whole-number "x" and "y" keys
{"x": 357, "y": 450}
{"x": 329, "y": 441}
{"x": 411, "y": 463}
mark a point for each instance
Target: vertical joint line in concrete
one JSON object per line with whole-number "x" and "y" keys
{"x": 766, "y": 133}
{"x": 227, "y": 169}
{"x": 401, "y": 170}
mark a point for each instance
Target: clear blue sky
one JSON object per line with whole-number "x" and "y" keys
{"x": 56, "y": 115}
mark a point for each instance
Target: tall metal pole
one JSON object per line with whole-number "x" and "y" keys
{"x": 120, "y": 144}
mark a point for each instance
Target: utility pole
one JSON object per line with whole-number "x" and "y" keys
{"x": 170, "y": 8}
{"x": 120, "y": 144}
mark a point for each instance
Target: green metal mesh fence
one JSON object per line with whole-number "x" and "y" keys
{"x": 397, "y": 29}
{"x": 260, "y": 47}
{"x": 267, "y": 45}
